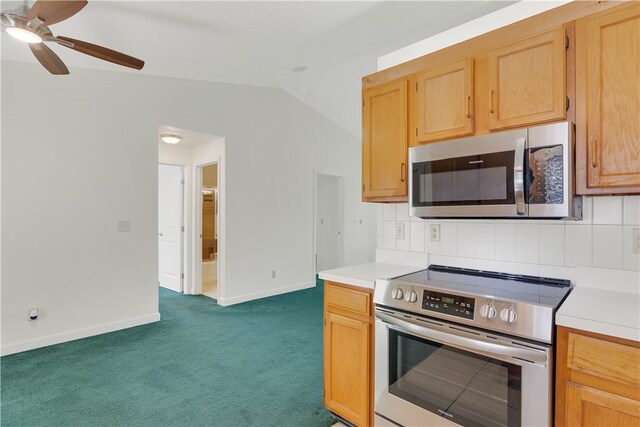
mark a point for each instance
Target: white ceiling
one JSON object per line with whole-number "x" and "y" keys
{"x": 256, "y": 42}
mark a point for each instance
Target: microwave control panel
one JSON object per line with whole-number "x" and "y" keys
{"x": 454, "y": 305}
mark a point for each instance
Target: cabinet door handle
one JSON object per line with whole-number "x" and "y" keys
{"x": 402, "y": 172}
{"x": 594, "y": 153}
{"x": 491, "y": 102}
{"x": 469, "y": 106}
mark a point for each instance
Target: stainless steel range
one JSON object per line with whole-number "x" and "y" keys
{"x": 465, "y": 347}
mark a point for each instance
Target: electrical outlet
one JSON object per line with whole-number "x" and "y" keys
{"x": 434, "y": 232}
{"x": 636, "y": 241}
{"x": 400, "y": 231}
{"x": 124, "y": 226}
{"x": 273, "y": 274}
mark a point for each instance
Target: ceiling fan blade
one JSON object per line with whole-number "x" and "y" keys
{"x": 48, "y": 59}
{"x": 52, "y": 11}
{"x": 103, "y": 53}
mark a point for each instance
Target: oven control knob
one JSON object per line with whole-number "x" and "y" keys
{"x": 410, "y": 296}
{"x": 508, "y": 315}
{"x": 394, "y": 293}
{"x": 399, "y": 294}
{"x": 413, "y": 296}
{"x": 488, "y": 311}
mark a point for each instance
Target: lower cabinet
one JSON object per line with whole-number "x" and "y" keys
{"x": 348, "y": 352}
{"x": 597, "y": 380}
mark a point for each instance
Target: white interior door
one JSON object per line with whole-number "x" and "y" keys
{"x": 329, "y": 222}
{"x": 170, "y": 202}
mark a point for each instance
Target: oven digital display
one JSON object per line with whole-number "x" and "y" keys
{"x": 453, "y": 305}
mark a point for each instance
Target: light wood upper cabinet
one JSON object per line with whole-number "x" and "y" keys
{"x": 597, "y": 380}
{"x": 444, "y": 102}
{"x": 384, "y": 142}
{"x": 608, "y": 101}
{"x": 348, "y": 353}
{"x": 527, "y": 81}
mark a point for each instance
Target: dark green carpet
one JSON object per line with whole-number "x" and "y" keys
{"x": 257, "y": 363}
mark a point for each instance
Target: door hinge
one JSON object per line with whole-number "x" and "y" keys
{"x": 566, "y": 41}
{"x": 182, "y": 228}
{"x": 567, "y": 103}
{"x": 182, "y": 275}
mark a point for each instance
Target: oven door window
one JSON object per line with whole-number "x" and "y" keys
{"x": 464, "y": 387}
{"x": 485, "y": 179}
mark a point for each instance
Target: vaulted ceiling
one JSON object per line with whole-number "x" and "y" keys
{"x": 260, "y": 42}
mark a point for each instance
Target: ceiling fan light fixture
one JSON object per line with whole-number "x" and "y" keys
{"x": 170, "y": 138}
{"x": 24, "y": 35}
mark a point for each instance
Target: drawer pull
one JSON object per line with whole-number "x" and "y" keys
{"x": 594, "y": 153}
{"x": 469, "y": 106}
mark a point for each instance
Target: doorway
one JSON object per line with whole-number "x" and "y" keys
{"x": 209, "y": 230}
{"x": 329, "y": 221}
{"x": 170, "y": 226}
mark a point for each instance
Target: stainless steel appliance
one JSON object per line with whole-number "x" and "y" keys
{"x": 524, "y": 173}
{"x": 465, "y": 347}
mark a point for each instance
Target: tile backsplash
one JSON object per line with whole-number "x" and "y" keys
{"x": 603, "y": 238}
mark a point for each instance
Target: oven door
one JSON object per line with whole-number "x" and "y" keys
{"x": 435, "y": 373}
{"x": 481, "y": 176}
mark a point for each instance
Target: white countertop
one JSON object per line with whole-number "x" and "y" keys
{"x": 605, "y": 302}
{"x": 365, "y": 275}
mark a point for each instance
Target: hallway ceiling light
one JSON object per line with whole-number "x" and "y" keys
{"x": 170, "y": 138}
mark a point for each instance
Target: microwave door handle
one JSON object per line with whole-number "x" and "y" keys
{"x": 455, "y": 339}
{"x": 518, "y": 176}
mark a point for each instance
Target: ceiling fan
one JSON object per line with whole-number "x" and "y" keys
{"x": 31, "y": 25}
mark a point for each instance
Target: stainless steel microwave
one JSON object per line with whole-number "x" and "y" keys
{"x": 524, "y": 173}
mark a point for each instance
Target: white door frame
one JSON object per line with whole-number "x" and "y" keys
{"x": 315, "y": 217}
{"x": 197, "y": 229}
{"x": 183, "y": 260}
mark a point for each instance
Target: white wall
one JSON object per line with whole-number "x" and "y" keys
{"x": 603, "y": 239}
{"x": 91, "y": 159}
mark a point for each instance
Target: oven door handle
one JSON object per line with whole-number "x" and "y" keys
{"x": 456, "y": 338}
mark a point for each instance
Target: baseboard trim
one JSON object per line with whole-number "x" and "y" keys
{"x": 265, "y": 294}
{"x": 21, "y": 346}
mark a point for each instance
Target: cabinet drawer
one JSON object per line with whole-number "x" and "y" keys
{"x": 348, "y": 299}
{"x": 611, "y": 361}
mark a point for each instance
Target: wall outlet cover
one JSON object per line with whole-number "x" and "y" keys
{"x": 400, "y": 231}
{"x": 434, "y": 232}
{"x": 124, "y": 226}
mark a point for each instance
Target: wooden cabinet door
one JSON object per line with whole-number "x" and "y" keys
{"x": 444, "y": 102}
{"x": 347, "y": 367}
{"x": 608, "y": 100}
{"x": 527, "y": 81}
{"x": 384, "y": 141}
{"x": 587, "y": 406}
